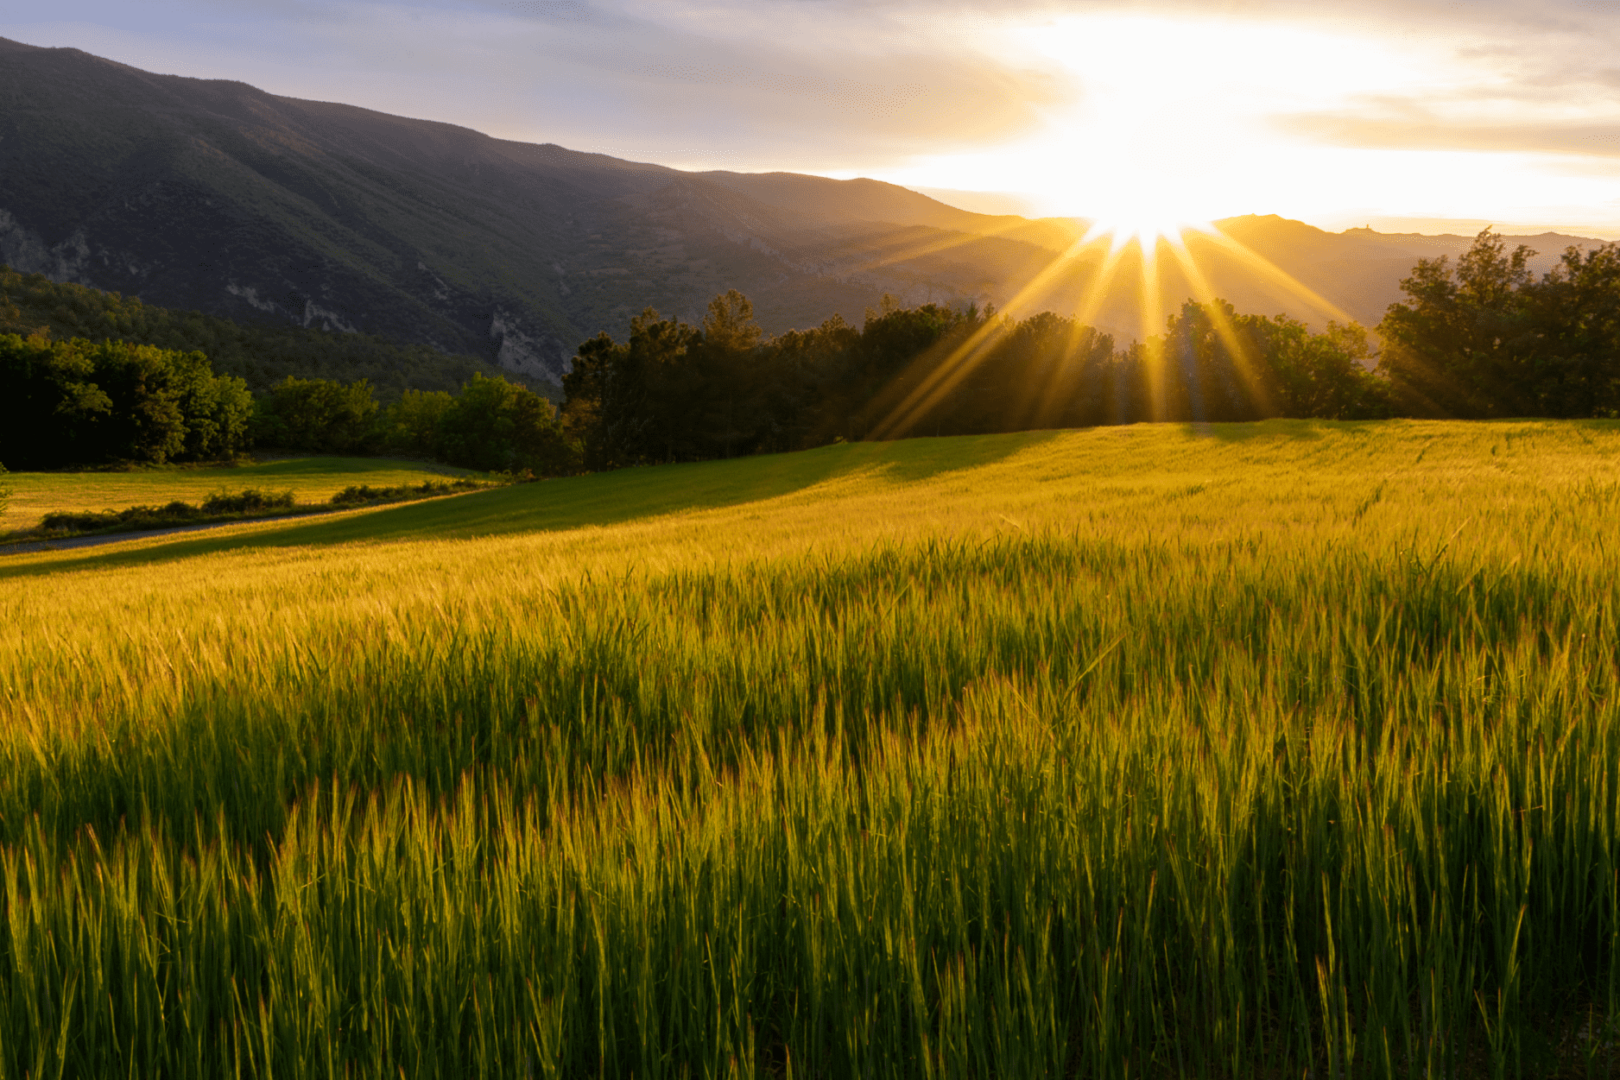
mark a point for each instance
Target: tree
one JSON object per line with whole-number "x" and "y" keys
{"x": 1325, "y": 376}
{"x": 317, "y": 414}
{"x": 5, "y": 492}
{"x": 1462, "y": 344}
{"x": 1575, "y": 311}
{"x": 897, "y": 363}
{"x": 50, "y": 405}
{"x": 631, "y": 403}
{"x": 411, "y": 425}
{"x": 496, "y": 425}
{"x": 730, "y": 324}
{"x": 80, "y": 402}
{"x": 727, "y": 416}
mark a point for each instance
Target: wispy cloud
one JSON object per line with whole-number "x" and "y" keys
{"x": 1403, "y": 133}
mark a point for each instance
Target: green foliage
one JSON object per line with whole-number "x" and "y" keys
{"x": 496, "y": 425}
{"x": 366, "y": 495}
{"x": 261, "y": 354}
{"x": 128, "y": 520}
{"x": 633, "y": 402}
{"x": 677, "y": 393}
{"x": 492, "y": 425}
{"x": 1220, "y": 365}
{"x": 1488, "y": 339}
{"x": 411, "y": 425}
{"x": 82, "y": 402}
{"x": 219, "y": 505}
{"x": 248, "y": 501}
{"x": 318, "y": 415}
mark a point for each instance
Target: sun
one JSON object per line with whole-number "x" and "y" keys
{"x": 1140, "y": 199}
{"x": 1144, "y": 224}
{"x": 1170, "y": 124}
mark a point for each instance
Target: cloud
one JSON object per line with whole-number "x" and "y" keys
{"x": 1389, "y": 133}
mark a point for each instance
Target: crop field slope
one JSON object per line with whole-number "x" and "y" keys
{"x": 1254, "y": 750}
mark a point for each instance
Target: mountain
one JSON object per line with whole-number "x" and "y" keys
{"x": 218, "y": 197}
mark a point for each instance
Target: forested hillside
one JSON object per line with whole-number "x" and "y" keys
{"x": 258, "y": 353}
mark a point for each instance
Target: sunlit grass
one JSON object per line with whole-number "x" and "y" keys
{"x": 1230, "y": 751}
{"x": 310, "y": 479}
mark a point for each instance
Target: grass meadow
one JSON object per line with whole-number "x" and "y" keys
{"x": 1275, "y": 750}
{"x": 314, "y": 479}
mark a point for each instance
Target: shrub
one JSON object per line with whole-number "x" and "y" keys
{"x": 248, "y": 501}
{"x": 364, "y": 494}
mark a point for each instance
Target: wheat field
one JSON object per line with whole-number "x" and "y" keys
{"x": 1247, "y": 750}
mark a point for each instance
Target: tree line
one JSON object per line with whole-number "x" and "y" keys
{"x": 1479, "y": 338}
{"x": 79, "y": 402}
{"x": 674, "y": 392}
{"x": 85, "y": 402}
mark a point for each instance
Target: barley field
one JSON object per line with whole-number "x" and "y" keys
{"x": 1275, "y": 750}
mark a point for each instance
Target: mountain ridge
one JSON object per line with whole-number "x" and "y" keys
{"x": 217, "y": 196}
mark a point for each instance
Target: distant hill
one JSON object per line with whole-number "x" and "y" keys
{"x": 219, "y": 197}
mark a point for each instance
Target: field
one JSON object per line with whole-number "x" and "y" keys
{"x": 309, "y": 479}
{"x": 1253, "y": 750}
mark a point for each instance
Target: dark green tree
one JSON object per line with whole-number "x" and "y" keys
{"x": 632, "y": 403}
{"x": 81, "y": 402}
{"x": 496, "y": 425}
{"x": 51, "y": 408}
{"x": 1463, "y": 343}
{"x": 1575, "y": 311}
{"x": 318, "y": 415}
{"x": 724, "y": 383}
{"x": 1325, "y": 376}
{"x": 411, "y": 425}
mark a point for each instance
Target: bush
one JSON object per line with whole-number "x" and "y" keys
{"x": 220, "y": 504}
{"x": 365, "y": 494}
{"x": 135, "y": 518}
{"x": 249, "y": 501}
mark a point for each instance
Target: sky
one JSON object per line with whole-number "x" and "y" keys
{"x": 1406, "y": 115}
